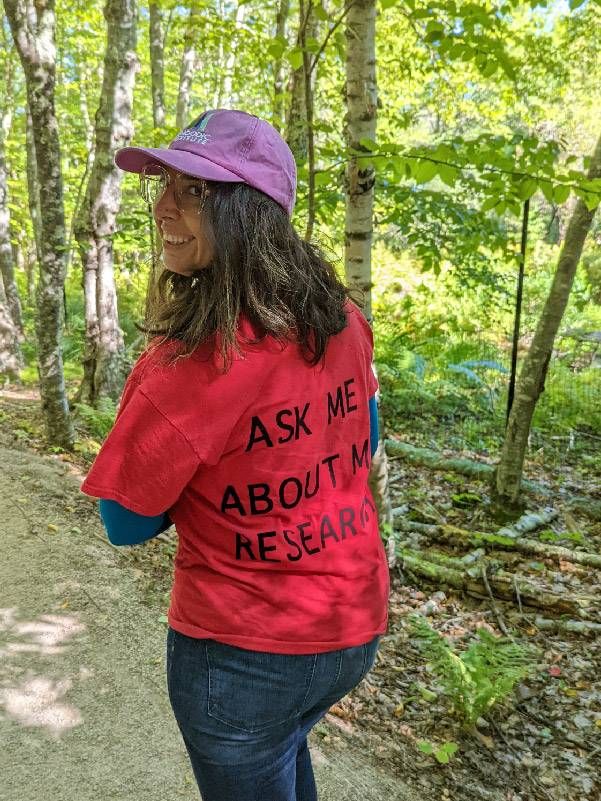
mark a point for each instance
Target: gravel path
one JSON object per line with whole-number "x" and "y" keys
{"x": 84, "y": 712}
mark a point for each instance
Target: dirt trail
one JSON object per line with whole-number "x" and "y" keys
{"x": 84, "y": 712}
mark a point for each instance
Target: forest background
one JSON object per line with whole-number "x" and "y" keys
{"x": 481, "y": 108}
{"x": 440, "y": 146}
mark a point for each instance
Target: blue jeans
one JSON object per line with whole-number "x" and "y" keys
{"x": 245, "y": 715}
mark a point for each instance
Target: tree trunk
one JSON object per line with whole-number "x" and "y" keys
{"x": 508, "y": 474}
{"x": 227, "y": 93}
{"x": 33, "y": 199}
{"x": 7, "y": 266}
{"x": 360, "y": 122}
{"x": 296, "y": 121}
{"x": 157, "y": 69}
{"x": 10, "y": 354}
{"x": 361, "y": 104}
{"x": 187, "y": 68}
{"x": 278, "y": 67}
{"x": 33, "y": 26}
{"x": 89, "y": 129}
{"x": 104, "y": 361}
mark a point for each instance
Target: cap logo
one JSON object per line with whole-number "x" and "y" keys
{"x": 195, "y": 132}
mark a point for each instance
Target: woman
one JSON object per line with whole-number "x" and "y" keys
{"x": 246, "y": 422}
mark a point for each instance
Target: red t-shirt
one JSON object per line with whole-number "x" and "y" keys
{"x": 263, "y": 471}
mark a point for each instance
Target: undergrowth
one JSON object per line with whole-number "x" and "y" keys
{"x": 480, "y": 677}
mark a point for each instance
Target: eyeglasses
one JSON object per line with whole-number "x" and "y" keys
{"x": 190, "y": 193}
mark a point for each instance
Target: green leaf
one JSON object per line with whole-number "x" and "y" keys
{"x": 448, "y": 174}
{"x": 312, "y": 44}
{"x": 368, "y": 144}
{"x": 574, "y": 4}
{"x": 322, "y": 178}
{"x": 321, "y": 13}
{"x": 424, "y": 171}
{"x": 295, "y": 58}
{"x": 489, "y": 68}
{"x": 276, "y": 47}
{"x": 561, "y": 193}
{"x": 489, "y": 203}
{"x": 547, "y": 190}
{"x": 527, "y": 188}
{"x": 388, "y": 4}
{"x": 425, "y": 747}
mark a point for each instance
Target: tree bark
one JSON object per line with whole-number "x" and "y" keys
{"x": 226, "y": 94}
{"x": 157, "y": 67}
{"x": 187, "y": 68}
{"x": 278, "y": 67}
{"x": 508, "y": 474}
{"x": 360, "y": 122}
{"x": 33, "y": 199}
{"x": 33, "y": 27}
{"x": 297, "y": 128}
{"x": 7, "y": 266}
{"x": 104, "y": 360}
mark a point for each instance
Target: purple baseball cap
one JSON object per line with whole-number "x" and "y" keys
{"x": 225, "y": 145}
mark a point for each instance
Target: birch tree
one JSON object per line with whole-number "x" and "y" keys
{"x": 7, "y": 267}
{"x": 157, "y": 66}
{"x": 33, "y": 197}
{"x": 278, "y": 66}
{"x": 360, "y": 124}
{"x": 104, "y": 362}
{"x": 531, "y": 383}
{"x": 33, "y": 29}
{"x": 187, "y": 68}
{"x": 226, "y": 80}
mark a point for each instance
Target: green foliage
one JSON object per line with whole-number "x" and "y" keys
{"x": 480, "y": 677}
{"x": 571, "y": 536}
{"x": 99, "y": 421}
{"x": 442, "y": 753}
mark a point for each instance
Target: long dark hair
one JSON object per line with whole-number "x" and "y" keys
{"x": 262, "y": 268}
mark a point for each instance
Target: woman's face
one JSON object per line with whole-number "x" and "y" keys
{"x": 196, "y": 251}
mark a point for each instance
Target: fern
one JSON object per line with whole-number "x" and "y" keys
{"x": 480, "y": 677}
{"x": 100, "y": 420}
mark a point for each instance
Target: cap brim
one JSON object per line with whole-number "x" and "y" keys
{"x": 134, "y": 159}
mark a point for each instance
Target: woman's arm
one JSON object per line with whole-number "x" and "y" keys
{"x": 374, "y": 434}
{"x": 125, "y": 527}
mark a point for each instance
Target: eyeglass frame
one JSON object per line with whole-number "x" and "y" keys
{"x": 158, "y": 170}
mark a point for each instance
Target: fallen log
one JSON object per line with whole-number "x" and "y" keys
{"x": 453, "y": 534}
{"x": 467, "y": 467}
{"x": 572, "y": 626}
{"x": 503, "y": 585}
{"x": 591, "y": 507}
{"x": 529, "y": 522}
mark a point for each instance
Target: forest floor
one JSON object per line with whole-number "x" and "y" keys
{"x": 82, "y": 629}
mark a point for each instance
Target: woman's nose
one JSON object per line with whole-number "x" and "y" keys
{"x": 166, "y": 205}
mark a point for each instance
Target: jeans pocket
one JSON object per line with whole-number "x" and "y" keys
{"x": 254, "y": 690}
{"x": 370, "y": 651}
{"x": 169, "y": 649}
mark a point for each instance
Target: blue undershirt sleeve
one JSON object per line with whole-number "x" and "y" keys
{"x": 374, "y": 433}
{"x": 125, "y": 527}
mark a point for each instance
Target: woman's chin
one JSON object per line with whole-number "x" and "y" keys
{"x": 187, "y": 271}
